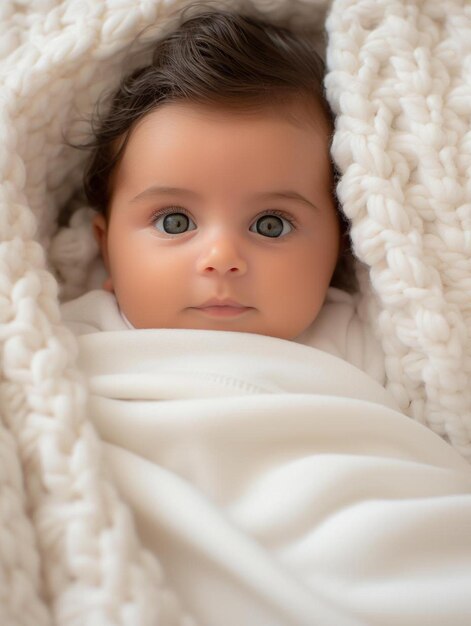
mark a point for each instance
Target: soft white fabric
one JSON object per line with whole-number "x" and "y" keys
{"x": 276, "y": 482}
{"x": 337, "y": 329}
{"x": 400, "y": 86}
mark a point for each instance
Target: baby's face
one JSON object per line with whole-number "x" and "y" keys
{"x": 212, "y": 206}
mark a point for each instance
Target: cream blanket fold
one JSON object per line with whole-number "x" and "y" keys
{"x": 277, "y": 483}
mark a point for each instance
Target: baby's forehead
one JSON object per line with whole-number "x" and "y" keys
{"x": 195, "y": 128}
{"x": 178, "y": 133}
{"x": 281, "y": 146}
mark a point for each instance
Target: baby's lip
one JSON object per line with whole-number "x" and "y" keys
{"x": 223, "y": 302}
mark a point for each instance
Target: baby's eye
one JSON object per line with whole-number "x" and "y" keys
{"x": 271, "y": 225}
{"x": 174, "y": 223}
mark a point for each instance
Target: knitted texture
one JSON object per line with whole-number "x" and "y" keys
{"x": 399, "y": 82}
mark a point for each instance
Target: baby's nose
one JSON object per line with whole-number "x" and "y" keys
{"x": 222, "y": 256}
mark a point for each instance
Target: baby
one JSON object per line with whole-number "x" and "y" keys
{"x": 276, "y": 484}
{"x": 214, "y": 193}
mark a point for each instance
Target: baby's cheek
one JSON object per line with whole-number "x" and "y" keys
{"x": 305, "y": 288}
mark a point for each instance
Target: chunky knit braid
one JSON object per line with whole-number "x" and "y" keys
{"x": 400, "y": 83}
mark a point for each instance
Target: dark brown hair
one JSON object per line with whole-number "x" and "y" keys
{"x": 216, "y": 58}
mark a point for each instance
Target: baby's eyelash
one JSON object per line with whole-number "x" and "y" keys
{"x": 177, "y": 209}
{"x": 167, "y": 211}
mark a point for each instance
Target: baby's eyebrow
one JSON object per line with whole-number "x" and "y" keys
{"x": 284, "y": 194}
{"x": 156, "y": 190}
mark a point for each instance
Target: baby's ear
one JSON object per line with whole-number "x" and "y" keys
{"x": 100, "y": 232}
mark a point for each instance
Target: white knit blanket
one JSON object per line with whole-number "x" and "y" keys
{"x": 399, "y": 82}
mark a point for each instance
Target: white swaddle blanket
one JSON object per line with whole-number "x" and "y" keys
{"x": 277, "y": 483}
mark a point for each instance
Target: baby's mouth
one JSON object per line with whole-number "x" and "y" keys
{"x": 222, "y": 308}
{"x": 223, "y": 311}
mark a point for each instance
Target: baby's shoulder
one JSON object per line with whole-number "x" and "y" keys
{"x": 94, "y": 311}
{"x": 339, "y": 330}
